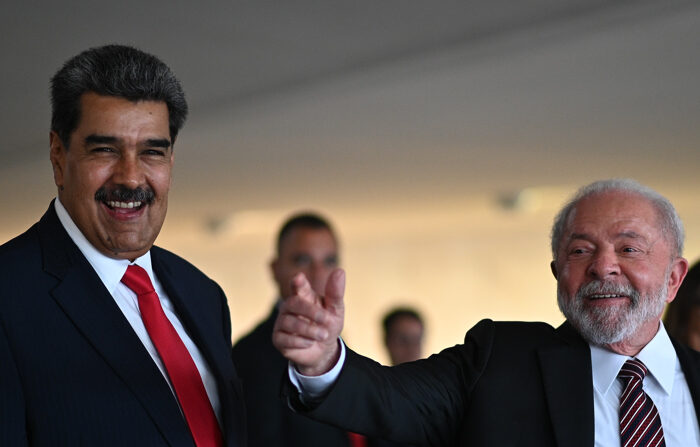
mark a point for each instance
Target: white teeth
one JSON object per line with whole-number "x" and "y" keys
{"x": 114, "y": 204}
{"x": 606, "y": 296}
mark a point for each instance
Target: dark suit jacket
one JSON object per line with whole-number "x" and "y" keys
{"x": 72, "y": 370}
{"x": 509, "y": 384}
{"x": 270, "y": 422}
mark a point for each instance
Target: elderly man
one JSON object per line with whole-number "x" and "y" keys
{"x": 106, "y": 339}
{"x": 608, "y": 376}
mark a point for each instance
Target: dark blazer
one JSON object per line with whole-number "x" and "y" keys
{"x": 509, "y": 384}
{"x": 72, "y": 370}
{"x": 270, "y": 422}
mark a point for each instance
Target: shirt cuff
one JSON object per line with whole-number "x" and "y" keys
{"x": 315, "y": 387}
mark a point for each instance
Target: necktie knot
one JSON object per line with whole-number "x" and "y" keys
{"x": 136, "y": 278}
{"x": 633, "y": 369}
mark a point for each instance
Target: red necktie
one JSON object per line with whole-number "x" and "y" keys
{"x": 357, "y": 440}
{"x": 178, "y": 363}
{"x": 640, "y": 425}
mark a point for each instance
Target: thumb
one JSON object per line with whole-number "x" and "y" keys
{"x": 335, "y": 290}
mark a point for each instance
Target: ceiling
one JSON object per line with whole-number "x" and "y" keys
{"x": 359, "y": 105}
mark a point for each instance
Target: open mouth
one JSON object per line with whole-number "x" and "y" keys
{"x": 124, "y": 205}
{"x": 124, "y": 201}
{"x": 124, "y": 211}
{"x": 605, "y": 296}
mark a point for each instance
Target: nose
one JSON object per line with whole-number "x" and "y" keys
{"x": 128, "y": 171}
{"x": 604, "y": 264}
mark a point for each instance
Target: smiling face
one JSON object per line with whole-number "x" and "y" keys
{"x": 615, "y": 270}
{"x": 114, "y": 177}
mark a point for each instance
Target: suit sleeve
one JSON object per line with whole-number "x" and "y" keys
{"x": 13, "y": 430}
{"x": 225, "y": 314}
{"x": 421, "y": 402}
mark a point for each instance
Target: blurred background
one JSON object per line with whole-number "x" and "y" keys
{"x": 439, "y": 137}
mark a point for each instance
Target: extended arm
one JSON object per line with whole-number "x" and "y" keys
{"x": 421, "y": 402}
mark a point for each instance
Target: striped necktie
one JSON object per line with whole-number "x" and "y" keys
{"x": 640, "y": 425}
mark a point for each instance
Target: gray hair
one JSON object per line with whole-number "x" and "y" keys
{"x": 671, "y": 225}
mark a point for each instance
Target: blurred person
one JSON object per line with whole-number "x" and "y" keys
{"x": 682, "y": 318}
{"x": 403, "y": 331}
{"x": 403, "y": 335}
{"x": 105, "y": 338}
{"x": 306, "y": 243}
{"x": 608, "y": 376}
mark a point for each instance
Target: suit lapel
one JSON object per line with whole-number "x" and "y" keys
{"x": 86, "y": 302}
{"x": 690, "y": 364}
{"x": 566, "y": 372}
{"x": 184, "y": 296}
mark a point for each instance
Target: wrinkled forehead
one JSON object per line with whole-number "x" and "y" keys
{"x": 613, "y": 213}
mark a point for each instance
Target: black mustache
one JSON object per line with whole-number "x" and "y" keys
{"x": 121, "y": 194}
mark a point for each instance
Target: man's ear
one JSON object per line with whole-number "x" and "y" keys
{"x": 57, "y": 155}
{"x": 274, "y": 265}
{"x": 553, "y": 267}
{"x": 679, "y": 268}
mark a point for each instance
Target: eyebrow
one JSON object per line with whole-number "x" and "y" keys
{"x": 108, "y": 139}
{"x": 630, "y": 234}
{"x": 623, "y": 234}
{"x": 100, "y": 139}
{"x": 158, "y": 142}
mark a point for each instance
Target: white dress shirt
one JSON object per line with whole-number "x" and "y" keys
{"x": 665, "y": 383}
{"x": 111, "y": 272}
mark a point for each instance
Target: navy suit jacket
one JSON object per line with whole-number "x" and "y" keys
{"x": 72, "y": 370}
{"x": 509, "y": 384}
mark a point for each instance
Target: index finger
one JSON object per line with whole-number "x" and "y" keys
{"x": 302, "y": 288}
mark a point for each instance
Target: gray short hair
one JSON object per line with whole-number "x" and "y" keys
{"x": 671, "y": 225}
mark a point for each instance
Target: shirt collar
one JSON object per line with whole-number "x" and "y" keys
{"x": 109, "y": 270}
{"x": 659, "y": 356}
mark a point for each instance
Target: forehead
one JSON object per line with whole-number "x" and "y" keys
{"x": 612, "y": 213}
{"x": 405, "y": 322}
{"x": 103, "y": 113}
{"x": 307, "y": 239}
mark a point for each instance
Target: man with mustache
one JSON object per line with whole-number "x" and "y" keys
{"x": 106, "y": 339}
{"x": 608, "y": 376}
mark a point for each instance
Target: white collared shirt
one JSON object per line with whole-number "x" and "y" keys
{"x": 110, "y": 272}
{"x": 664, "y": 383}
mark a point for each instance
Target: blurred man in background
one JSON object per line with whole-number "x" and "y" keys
{"x": 306, "y": 243}
{"x": 403, "y": 335}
